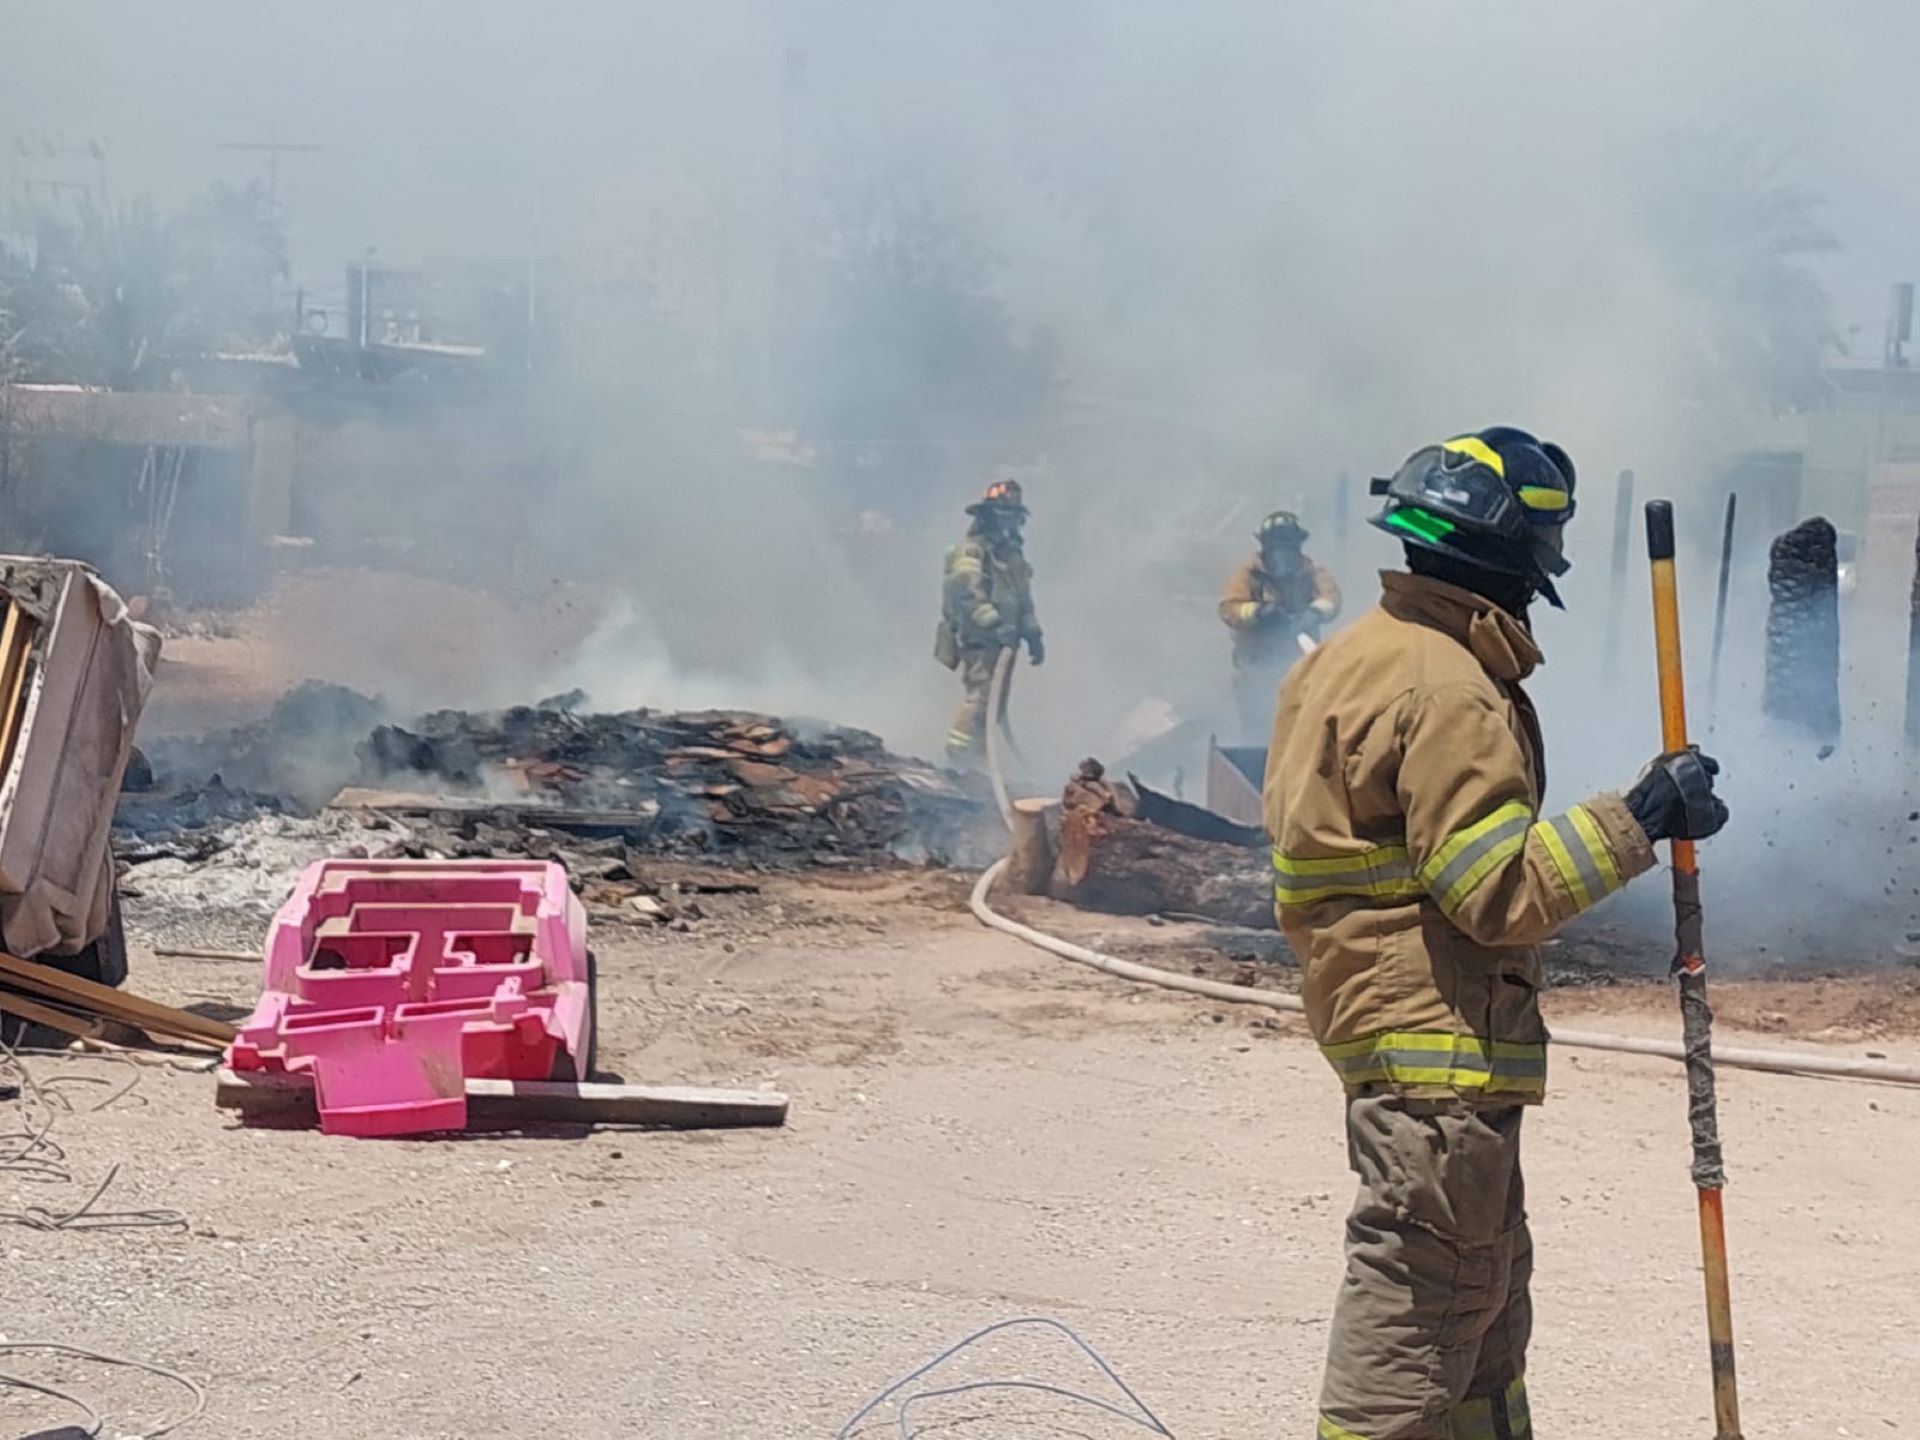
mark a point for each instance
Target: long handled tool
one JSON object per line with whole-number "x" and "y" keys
{"x": 1690, "y": 971}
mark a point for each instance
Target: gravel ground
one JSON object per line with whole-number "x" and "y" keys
{"x": 978, "y": 1131}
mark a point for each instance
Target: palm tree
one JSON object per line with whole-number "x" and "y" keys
{"x": 110, "y": 290}
{"x": 1739, "y": 235}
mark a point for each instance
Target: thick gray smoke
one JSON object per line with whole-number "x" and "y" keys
{"x": 1181, "y": 264}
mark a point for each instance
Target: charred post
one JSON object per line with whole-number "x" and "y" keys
{"x": 1622, "y": 537}
{"x": 1720, "y": 610}
{"x": 1803, "y": 631}
{"x": 1913, "y": 650}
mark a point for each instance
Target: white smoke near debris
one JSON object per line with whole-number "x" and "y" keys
{"x": 818, "y": 267}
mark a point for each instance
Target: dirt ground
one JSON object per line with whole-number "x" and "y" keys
{"x": 978, "y": 1131}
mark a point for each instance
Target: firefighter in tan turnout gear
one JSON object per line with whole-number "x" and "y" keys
{"x": 1414, "y": 876}
{"x": 1275, "y": 605}
{"x": 986, "y": 609}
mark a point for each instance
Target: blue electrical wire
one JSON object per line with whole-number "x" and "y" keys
{"x": 1145, "y": 1418}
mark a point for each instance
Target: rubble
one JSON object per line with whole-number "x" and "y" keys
{"x": 230, "y": 817}
{"x": 709, "y": 783}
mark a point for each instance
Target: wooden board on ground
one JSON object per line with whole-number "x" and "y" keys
{"x": 95, "y": 999}
{"x": 84, "y": 1027}
{"x": 413, "y": 803}
{"x": 281, "y": 1099}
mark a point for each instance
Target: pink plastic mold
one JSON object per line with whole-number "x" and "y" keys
{"x": 393, "y": 982}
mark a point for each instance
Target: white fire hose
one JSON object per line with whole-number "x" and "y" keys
{"x": 1779, "y": 1062}
{"x": 996, "y": 694}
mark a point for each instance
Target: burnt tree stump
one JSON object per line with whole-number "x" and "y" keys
{"x": 1132, "y": 867}
{"x": 1803, "y": 631}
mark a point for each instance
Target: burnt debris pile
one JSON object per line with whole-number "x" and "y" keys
{"x": 714, "y": 784}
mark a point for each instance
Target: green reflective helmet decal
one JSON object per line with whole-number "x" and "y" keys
{"x": 1423, "y": 524}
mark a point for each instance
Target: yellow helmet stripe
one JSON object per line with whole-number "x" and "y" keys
{"x": 1475, "y": 448}
{"x": 1539, "y": 497}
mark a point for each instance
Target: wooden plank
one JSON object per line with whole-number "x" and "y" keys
{"x": 86, "y": 1027}
{"x": 13, "y": 669}
{"x": 510, "y": 1104}
{"x": 559, "y": 817}
{"x": 96, "y": 999}
{"x": 15, "y": 683}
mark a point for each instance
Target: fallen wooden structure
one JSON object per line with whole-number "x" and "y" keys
{"x": 263, "y": 1098}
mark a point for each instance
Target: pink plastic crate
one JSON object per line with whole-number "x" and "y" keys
{"x": 394, "y": 982}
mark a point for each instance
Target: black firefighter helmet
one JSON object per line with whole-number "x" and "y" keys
{"x": 1003, "y": 497}
{"x": 1497, "y": 500}
{"x": 1281, "y": 529}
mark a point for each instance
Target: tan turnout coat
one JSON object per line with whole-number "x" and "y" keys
{"x": 1414, "y": 874}
{"x": 1258, "y": 642}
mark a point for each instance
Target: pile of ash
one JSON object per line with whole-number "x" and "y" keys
{"x": 719, "y": 785}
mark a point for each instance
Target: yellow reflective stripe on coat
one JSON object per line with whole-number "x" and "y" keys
{"x": 1382, "y": 873}
{"x": 1581, "y": 855}
{"x": 1437, "y": 1058}
{"x": 986, "y": 615}
{"x": 1503, "y": 1416}
{"x": 1469, "y": 855}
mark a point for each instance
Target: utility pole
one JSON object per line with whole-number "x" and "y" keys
{"x": 273, "y": 147}
{"x": 53, "y": 167}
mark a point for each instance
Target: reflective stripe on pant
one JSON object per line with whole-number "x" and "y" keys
{"x": 1431, "y": 1325}
{"x": 967, "y": 737}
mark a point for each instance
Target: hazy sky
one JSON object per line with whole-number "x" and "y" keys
{"x": 488, "y": 126}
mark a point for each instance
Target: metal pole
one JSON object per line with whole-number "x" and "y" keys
{"x": 1622, "y": 540}
{"x": 1690, "y": 971}
{"x": 1913, "y": 651}
{"x": 1720, "y": 613}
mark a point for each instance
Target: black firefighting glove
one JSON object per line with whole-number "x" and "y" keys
{"x": 1673, "y": 799}
{"x": 1036, "y": 649}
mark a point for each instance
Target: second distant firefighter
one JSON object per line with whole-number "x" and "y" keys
{"x": 1275, "y": 605}
{"x": 986, "y": 609}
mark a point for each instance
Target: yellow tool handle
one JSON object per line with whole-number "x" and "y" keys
{"x": 1690, "y": 973}
{"x": 1666, "y": 641}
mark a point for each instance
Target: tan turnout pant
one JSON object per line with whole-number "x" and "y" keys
{"x": 967, "y": 738}
{"x": 1431, "y": 1325}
